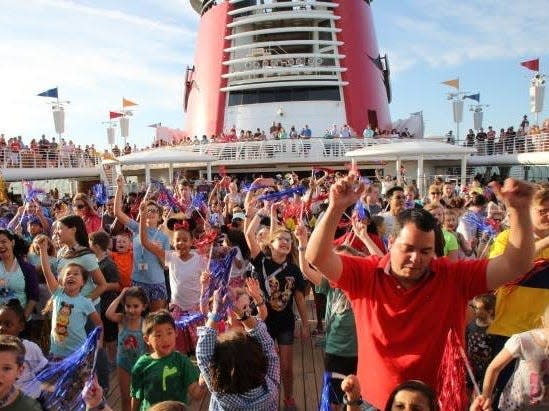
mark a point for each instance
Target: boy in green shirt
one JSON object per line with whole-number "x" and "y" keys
{"x": 165, "y": 374}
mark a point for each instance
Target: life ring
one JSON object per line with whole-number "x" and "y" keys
{"x": 318, "y": 61}
{"x": 256, "y": 65}
{"x": 248, "y": 65}
{"x": 275, "y": 63}
{"x": 300, "y": 61}
{"x": 291, "y": 62}
{"x": 310, "y": 61}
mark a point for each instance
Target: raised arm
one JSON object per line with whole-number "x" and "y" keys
{"x": 361, "y": 232}
{"x": 157, "y": 250}
{"x": 51, "y": 281}
{"x": 250, "y": 234}
{"x": 302, "y": 239}
{"x": 320, "y": 251}
{"x": 518, "y": 257}
{"x": 119, "y": 193}
{"x": 254, "y": 289}
{"x": 499, "y": 362}
{"x": 111, "y": 313}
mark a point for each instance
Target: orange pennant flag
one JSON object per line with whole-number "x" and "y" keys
{"x": 452, "y": 83}
{"x": 127, "y": 103}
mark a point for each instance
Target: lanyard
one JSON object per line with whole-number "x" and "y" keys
{"x": 142, "y": 249}
{"x": 273, "y": 274}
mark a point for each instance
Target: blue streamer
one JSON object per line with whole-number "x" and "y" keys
{"x": 4, "y": 221}
{"x": 188, "y": 319}
{"x": 165, "y": 196}
{"x": 30, "y": 193}
{"x": 198, "y": 201}
{"x": 100, "y": 193}
{"x": 252, "y": 187}
{"x": 328, "y": 389}
{"x": 479, "y": 223}
{"x": 220, "y": 270}
{"x": 361, "y": 211}
{"x": 280, "y": 195}
{"x": 64, "y": 380}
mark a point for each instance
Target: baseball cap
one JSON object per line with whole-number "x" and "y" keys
{"x": 239, "y": 216}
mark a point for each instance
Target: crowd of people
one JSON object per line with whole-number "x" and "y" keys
{"x": 392, "y": 274}
{"x": 527, "y": 138}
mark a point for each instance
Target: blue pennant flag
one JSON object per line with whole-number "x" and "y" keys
{"x": 475, "y": 97}
{"x": 49, "y": 93}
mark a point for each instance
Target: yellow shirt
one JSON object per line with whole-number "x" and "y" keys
{"x": 501, "y": 242}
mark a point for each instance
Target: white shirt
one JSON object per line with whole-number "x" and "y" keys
{"x": 185, "y": 279}
{"x": 34, "y": 362}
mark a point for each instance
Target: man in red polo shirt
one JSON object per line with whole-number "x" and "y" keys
{"x": 406, "y": 302}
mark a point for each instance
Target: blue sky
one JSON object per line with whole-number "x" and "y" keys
{"x": 100, "y": 51}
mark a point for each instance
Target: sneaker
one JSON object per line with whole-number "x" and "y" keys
{"x": 289, "y": 404}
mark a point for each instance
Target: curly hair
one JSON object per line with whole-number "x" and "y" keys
{"x": 238, "y": 364}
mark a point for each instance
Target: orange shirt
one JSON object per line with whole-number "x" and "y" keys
{"x": 124, "y": 263}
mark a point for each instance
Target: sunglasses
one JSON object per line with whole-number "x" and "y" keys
{"x": 79, "y": 206}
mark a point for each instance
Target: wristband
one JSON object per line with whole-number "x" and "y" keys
{"x": 356, "y": 402}
{"x": 302, "y": 248}
{"x": 215, "y": 317}
{"x": 244, "y": 317}
{"x": 101, "y": 406}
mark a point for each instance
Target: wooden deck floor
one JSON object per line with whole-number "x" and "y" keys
{"x": 308, "y": 372}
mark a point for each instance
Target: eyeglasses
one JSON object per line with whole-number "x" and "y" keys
{"x": 542, "y": 211}
{"x": 152, "y": 211}
{"x": 79, "y": 206}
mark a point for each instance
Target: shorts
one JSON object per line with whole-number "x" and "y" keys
{"x": 185, "y": 340}
{"x": 110, "y": 329}
{"x": 341, "y": 365}
{"x": 154, "y": 292}
{"x": 283, "y": 336}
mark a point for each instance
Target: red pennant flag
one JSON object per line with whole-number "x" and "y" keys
{"x": 114, "y": 114}
{"x": 531, "y": 64}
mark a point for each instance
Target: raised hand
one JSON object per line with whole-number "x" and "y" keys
{"x": 120, "y": 182}
{"x": 254, "y": 289}
{"x": 345, "y": 192}
{"x": 516, "y": 193}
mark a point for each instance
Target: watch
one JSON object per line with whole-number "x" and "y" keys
{"x": 244, "y": 317}
{"x": 101, "y": 406}
{"x": 356, "y": 402}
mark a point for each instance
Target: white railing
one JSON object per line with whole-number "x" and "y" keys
{"x": 509, "y": 145}
{"x": 36, "y": 158}
{"x": 291, "y": 150}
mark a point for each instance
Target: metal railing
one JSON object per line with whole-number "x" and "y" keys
{"x": 313, "y": 149}
{"x": 36, "y": 158}
{"x": 516, "y": 144}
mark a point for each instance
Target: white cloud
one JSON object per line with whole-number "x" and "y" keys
{"x": 447, "y": 32}
{"x": 95, "y": 55}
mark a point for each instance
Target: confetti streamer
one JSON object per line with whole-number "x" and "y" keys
{"x": 100, "y": 193}
{"x": 275, "y": 197}
{"x": 63, "y": 381}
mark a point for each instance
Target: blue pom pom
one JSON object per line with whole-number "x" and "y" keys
{"x": 64, "y": 380}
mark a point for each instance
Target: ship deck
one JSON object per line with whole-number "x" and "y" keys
{"x": 308, "y": 374}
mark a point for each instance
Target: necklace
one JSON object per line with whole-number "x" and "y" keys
{"x": 9, "y": 397}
